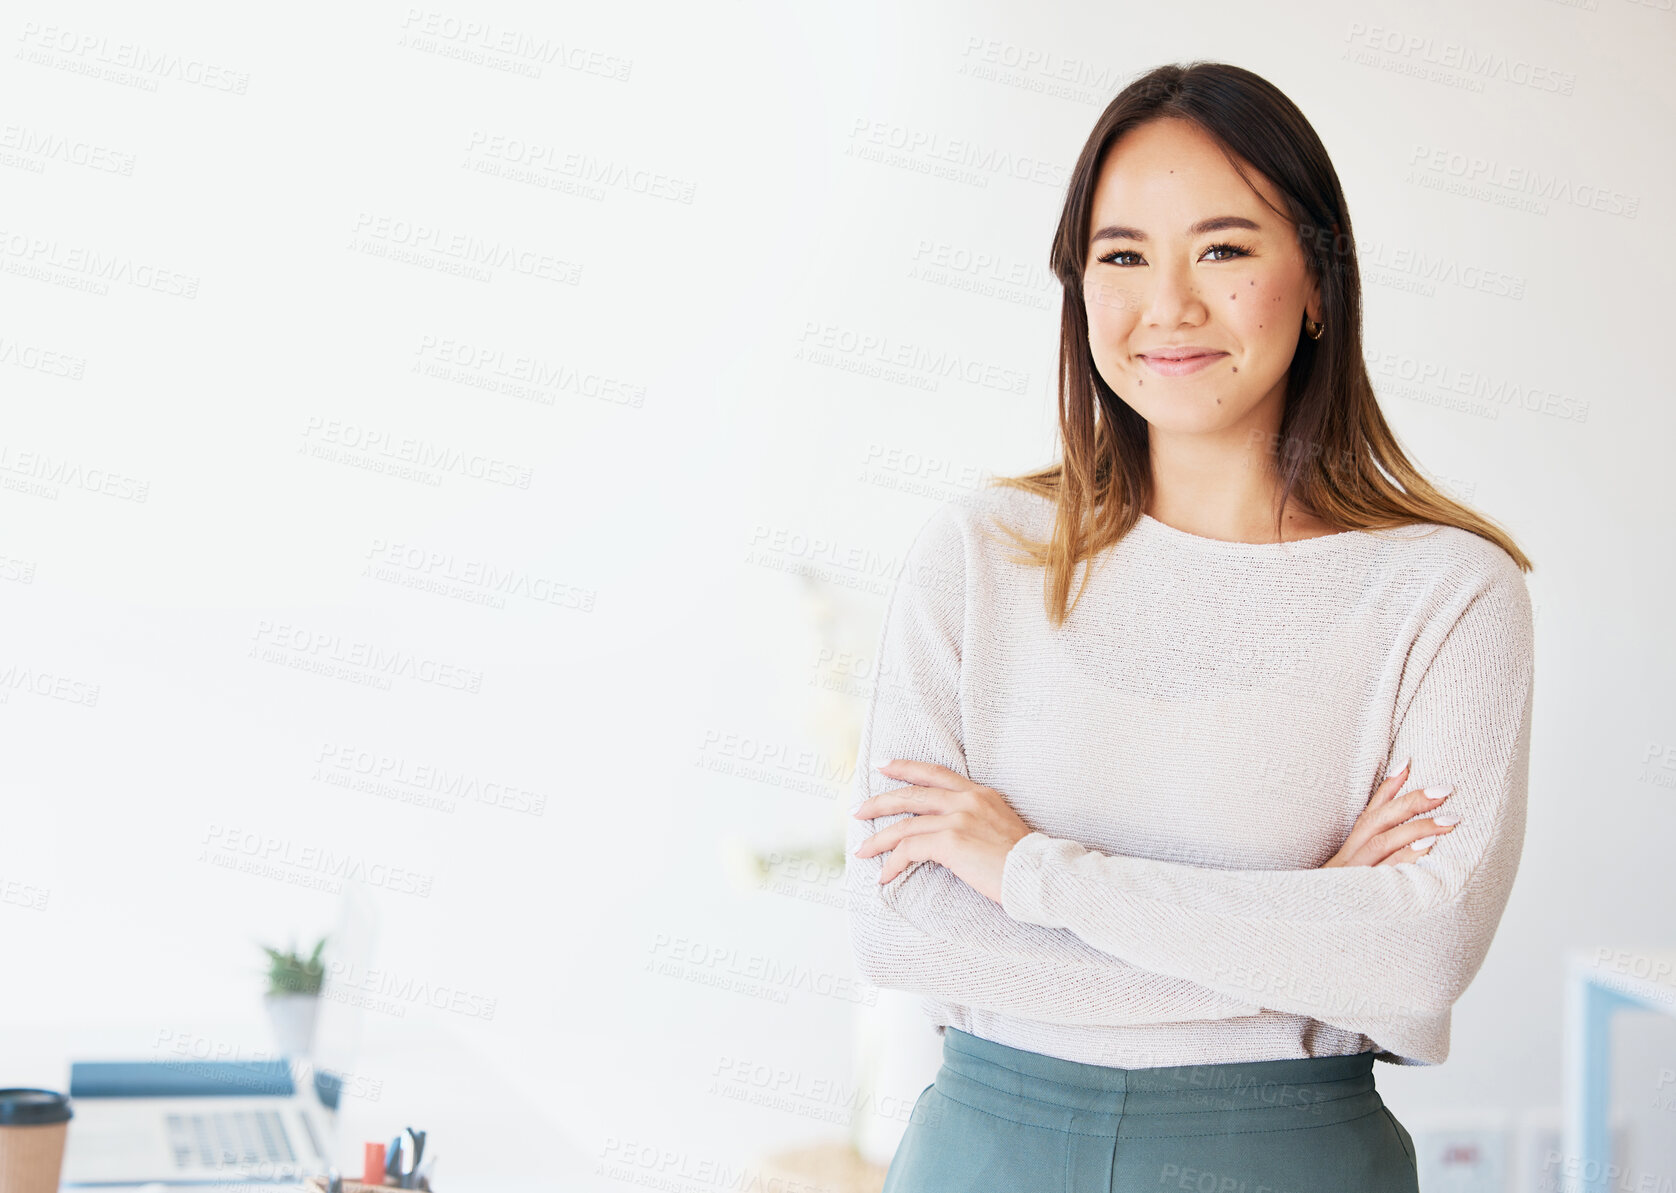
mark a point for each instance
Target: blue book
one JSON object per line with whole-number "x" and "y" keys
{"x": 180, "y": 1078}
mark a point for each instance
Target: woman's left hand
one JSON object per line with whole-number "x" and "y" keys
{"x": 956, "y": 823}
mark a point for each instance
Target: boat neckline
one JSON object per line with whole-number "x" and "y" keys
{"x": 1313, "y": 543}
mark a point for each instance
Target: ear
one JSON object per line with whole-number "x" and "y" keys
{"x": 1312, "y": 300}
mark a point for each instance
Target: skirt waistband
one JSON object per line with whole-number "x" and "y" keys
{"x": 1048, "y": 1091}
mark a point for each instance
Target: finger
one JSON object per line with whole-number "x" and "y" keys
{"x": 926, "y": 774}
{"x": 1408, "y": 853}
{"x": 899, "y": 860}
{"x": 1405, "y": 807}
{"x": 1376, "y": 816}
{"x": 889, "y": 836}
{"x": 1376, "y": 849}
{"x": 1410, "y": 805}
{"x": 1404, "y": 837}
{"x": 1373, "y": 817}
{"x": 1394, "y": 812}
{"x": 1392, "y": 782}
{"x": 909, "y": 798}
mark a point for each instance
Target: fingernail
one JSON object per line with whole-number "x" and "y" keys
{"x": 1398, "y": 769}
{"x": 1422, "y": 843}
{"x": 1439, "y": 792}
{"x": 1445, "y": 821}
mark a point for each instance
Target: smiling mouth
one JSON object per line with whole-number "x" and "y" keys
{"x": 1177, "y": 366}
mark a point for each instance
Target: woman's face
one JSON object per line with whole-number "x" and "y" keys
{"x": 1160, "y": 278}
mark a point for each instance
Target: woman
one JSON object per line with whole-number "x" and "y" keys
{"x": 1175, "y": 862}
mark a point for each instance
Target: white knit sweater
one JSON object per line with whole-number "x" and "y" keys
{"x": 1190, "y": 747}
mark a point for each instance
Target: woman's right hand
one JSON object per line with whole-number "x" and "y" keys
{"x": 1384, "y": 834}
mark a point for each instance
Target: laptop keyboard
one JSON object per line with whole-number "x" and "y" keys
{"x": 228, "y": 1137}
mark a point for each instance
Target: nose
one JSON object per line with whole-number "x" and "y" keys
{"x": 1173, "y": 298}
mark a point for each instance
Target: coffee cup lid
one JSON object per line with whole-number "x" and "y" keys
{"x": 32, "y": 1107}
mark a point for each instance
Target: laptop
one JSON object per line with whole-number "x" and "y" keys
{"x": 183, "y": 1121}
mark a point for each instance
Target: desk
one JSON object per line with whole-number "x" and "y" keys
{"x": 1600, "y": 983}
{"x": 487, "y": 1138}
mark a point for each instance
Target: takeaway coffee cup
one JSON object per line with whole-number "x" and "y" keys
{"x": 33, "y": 1126}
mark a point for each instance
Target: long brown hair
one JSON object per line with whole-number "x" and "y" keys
{"x": 1334, "y": 452}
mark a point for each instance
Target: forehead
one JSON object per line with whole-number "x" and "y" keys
{"x": 1168, "y": 173}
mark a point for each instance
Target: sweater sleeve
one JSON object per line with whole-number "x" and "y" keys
{"x": 928, "y": 931}
{"x": 1357, "y": 946}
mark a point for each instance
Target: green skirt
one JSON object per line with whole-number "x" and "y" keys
{"x": 1003, "y": 1120}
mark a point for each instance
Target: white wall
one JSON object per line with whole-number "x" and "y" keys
{"x": 252, "y": 189}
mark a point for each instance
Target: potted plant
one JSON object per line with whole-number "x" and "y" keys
{"x": 293, "y": 997}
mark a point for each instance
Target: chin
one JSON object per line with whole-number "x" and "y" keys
{"x": 1188, "y": 413}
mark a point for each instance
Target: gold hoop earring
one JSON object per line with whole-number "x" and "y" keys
{"x": 1312, "y": 329}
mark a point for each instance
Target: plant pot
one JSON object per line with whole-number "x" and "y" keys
{"x": 292, "y": 1017}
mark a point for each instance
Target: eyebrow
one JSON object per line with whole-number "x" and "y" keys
{"x": 1214, "y": 224}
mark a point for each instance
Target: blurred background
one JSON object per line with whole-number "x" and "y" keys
{"x": 465, "y": 451}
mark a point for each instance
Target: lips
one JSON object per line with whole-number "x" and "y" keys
{"x": 1176, "y": 362}
{"x": 1180, "y": 352}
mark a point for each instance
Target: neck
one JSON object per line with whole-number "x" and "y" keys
{"x": 1224, "y": 486}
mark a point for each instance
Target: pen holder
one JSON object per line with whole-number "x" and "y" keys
{"x": 318, "y": 1183}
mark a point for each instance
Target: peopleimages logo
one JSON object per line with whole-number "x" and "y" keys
{"x": 131, "y": 56}
{"x": 280, "y": 642}
{"x": 373, "y": 442}
{"x": 347, "y": 978}
{"x": 393, "y": 232}
{"x": 484, "y": 38}
{"x": 281, "y": 853}
{"x": 926, "y": 149}
{"x": 449, "y": 786}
